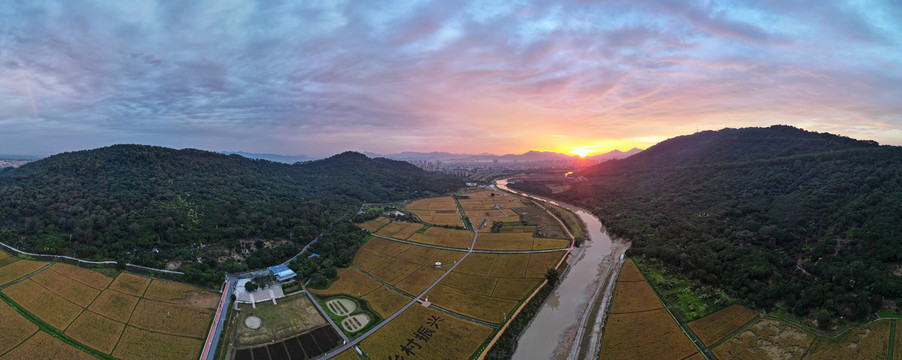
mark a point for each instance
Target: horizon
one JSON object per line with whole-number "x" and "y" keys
{"x": 477, "y": 77}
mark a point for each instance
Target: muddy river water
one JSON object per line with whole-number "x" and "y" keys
{"x": 551, "y": 332}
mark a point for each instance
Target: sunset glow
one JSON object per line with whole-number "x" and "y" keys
{"x": 471, "y": 77}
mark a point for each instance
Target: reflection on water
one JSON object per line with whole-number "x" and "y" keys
{"x": 562, "y": 309}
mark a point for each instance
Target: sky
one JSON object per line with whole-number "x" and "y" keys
{"x": 321, "y": 77}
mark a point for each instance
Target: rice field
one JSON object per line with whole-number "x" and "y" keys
{"x": 392, "y": 271}
{"x": 171, "y": 318}
{"x": 351, "y": 282}
{"x": 644, "y": 335}
{"x": 419, "y": 280}
{"x": 480, "y": 264}
{"x": 539, "y": 263}
{"x": 43, "y": 303}
{"x": 476, "y": 306}
{"x": 387, "y": 247}
{"x": 114, "y": 305}
{"x": 44, "y": 346}
{"x": 716, "y": 326}
{"x": 638, "y": 327}
{"x": 514, "y": 289}
{"x": 634, "y": 296}
{"x": 18, "y": 269}
{"x": 510, "y": 265}
{"x": 480, "y": 285}
{"x": 181, "y": 293}
{"x": 386, "y": 301}
{"x": 433, "y": 335}
{"x": 96, "y": 331}
{"x": 74, "y": 291}
{"x": 629, "y": 272}
{"x": 368, "y": 260}
{"x": 374, "y": 225}
{"x": 460, "y": 239}
{"x": 419, "y": 255}
{"x": 437, "y": 211}
{"x": 85, "y": 276}
{"x": 138, "y": 344}
{"x": 765, "y": 339}
{"x": 432, "y": 236}
{"x": 870, "y": 342}
{"x": 130, "y": 284}
{"x": 14, "y": 328}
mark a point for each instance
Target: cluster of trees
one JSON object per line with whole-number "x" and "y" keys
{"x": 150, "y": 205}
{"x": 335, "y": 248}
{"x": 777, "y": 217}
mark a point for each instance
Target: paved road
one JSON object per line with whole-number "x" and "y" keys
{"x": 219, "y": 319}
{"x": 393, "y": 316}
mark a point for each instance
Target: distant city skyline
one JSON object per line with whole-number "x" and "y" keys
{"x": 319, "y": 78}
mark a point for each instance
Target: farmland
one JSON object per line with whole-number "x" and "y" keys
{"x": 489, "y": 206}
{"x": 14, "y": 329}
{"x": 767, "y": 338}
{"x": 138, "y": 344}
{"x": 85, "y": 309}
{"x": 43, "y": 303}
{"x": 441, "y": 336}
{"x": 374, "y": 225}
{"x": 19, "y": 269}
{"x": 861, "y": 343}
{"x": 437, "y": 211}
{"x": 716, "y": 326}
{"x": 351, "y": 282}
{"x": 96, "y": 331}
{"x": 386, "y": 301}
{"x": 44, "y": 346}
{"x": 638, "y": 327}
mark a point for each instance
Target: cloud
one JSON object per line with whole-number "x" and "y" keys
{"x": 324, "y": 76}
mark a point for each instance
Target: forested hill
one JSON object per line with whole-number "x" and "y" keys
{"x": 751, "y": 210}
{"x": 151, "y": 204}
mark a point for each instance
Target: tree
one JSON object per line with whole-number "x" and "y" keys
{"x": 823, "y": 319}
{"x": 318, "y": 280}
{"x": 330, "y": 273}
{"x": 552, "y": 276}
{"x": 250, "y": 286}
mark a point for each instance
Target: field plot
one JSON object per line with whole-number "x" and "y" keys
{"x": 477, "y": 264}
{"x": 399, "y": 229}
{"x": 351, "y": 282}
{"x": 386, "y": 301}
{"x": 766, "y": 339}
{"x": 368, "y": 260}
{"x": 96, "y": 331}
{"x": 476, "y": 306}
{"x": 394, "y": 270}
{"x": 716, "y": 326}
{"x": 130, "y": 284}
{"x": 291, "y": 316}
{"x": 6, "y": 259}
{"x": 19, "y": 269}
{"x": 171, "y": 318}
{"x": 114, "y": 305}
{"x": 440, "y": 336}
{"x": 85, "y": 276}
{"x": 460, "y": 239}
{"x": 871, "y": 342}
{"x": 539, "y": 263}
{"x": 438, "y": 211}
{"x": 470, "y": 283}
{"x": 503, "y": 241}
{"x": 387, "y": 247}
{"x": 374, "y": 225}
{"x": 631, "y": 297}
{"x": 897, "y": 348}
{"x": 432, "y": 235}
{"x": 179, "y": 293}
{"x": 419, "y": 254}
{"x": 74, "y": 291}
{"x": 549, "y": 244}
{"x": 419, "y": 280}
{"x": 43, "y": 303}
{"x": 137, "y": 344}
{"x": 510, "y": 265}
{"x": 644, "y": 335}
{"x": 629, "y": 272}
{"x": 514, "y": 289}
{"x": 308, "y": 345}
{"x": 14, "y": 328}
{"x": 44, "y": 346}
{"x": 489, "y": 206}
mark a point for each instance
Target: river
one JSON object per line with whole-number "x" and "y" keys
{"x": 551, "y": 333}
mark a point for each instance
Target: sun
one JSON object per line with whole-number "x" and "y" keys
{"x": 581, "y": 151}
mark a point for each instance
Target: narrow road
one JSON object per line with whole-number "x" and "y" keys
{"x": 470, "y": 250}
{"x": 219, "y": 319}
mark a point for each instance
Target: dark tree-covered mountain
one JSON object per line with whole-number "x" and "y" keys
{"x": 151, "y": 205}
{"x": 777, "y": 217}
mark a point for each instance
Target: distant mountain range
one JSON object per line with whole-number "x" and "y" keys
{"x": 445, "y": 156}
